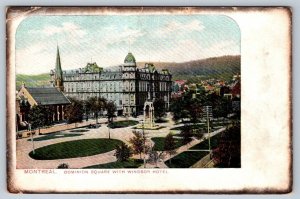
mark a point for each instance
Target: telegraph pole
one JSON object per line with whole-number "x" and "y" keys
{"x": 208, "y": 112}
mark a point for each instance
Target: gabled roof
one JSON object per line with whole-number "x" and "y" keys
{"x": 47, "y": 96}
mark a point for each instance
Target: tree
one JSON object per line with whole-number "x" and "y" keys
{"x": 220, "y": 108}
{"x": 96, "y": 105}
{"x": 159, "y": 108}
{"x": 37, "y": 117}
{"x": 195, "y": 110}
{"x": 169, "y": 145}
{"x": 154, "y": 156}
{"x": 177, "y": 108}
{"x": 187, "y": 134}
{"x": 111, "y": 109}
{"x": 228, "y": 152}
{"x": 49, "y": 110}
{"x": 74, "y": 111}
{"x": 123, "y": 152}
{"x": 138, "y": 143}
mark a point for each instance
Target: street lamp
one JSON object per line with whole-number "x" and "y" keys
{"x": 108, "y": 131}
{"x": 29, "y": 126}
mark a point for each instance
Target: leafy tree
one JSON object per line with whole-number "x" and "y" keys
{"x": 195, "y": 110}
{"x": 187, "y": 106}
{"x": 49, "y": 110}
{"x": 154, "y": 156}
{"x": 96, "y": 105}
{"x": 228, "y": 152}
{"x": 37, "y": 117}
{"x": 87, "y": 108}
{"x": 187, "y": 134}
{"x": 221, "y": 107}
{"x": 138, "y": 143}
{"x": 74, "y": 111}
{"x": 169, "y": 145}
{"x": 111, "y": 109}
{"x": 159, "y": 108}
{"x": 123, "y": 152}
{"x": 176, "y": 107}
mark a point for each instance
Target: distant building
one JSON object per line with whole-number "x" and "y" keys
{"x": 178, "y": 88}
{"x": 128, "y": 87}
{"x": 236, "y": 89}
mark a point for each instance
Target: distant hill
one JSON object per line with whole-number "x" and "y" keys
{"x": 33, "y": 80}
{"x": 217, "y": 67}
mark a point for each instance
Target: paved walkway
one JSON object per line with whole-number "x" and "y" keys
{"x": 65, "y": 126}
{"x": 24, "y": 146}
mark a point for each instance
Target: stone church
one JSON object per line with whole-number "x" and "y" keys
{"x": 129, "y": 87}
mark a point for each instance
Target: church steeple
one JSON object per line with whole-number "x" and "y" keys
{"x": 58, "y": 73}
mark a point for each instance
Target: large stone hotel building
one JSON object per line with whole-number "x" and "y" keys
{"x": 129, "y": 87}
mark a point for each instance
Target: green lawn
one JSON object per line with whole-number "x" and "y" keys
{"x": 122, "y": 124}
{"x": 186, "y": 159}
{"x": 54, "y": 136}
{"x": 160, "y": 141}
{"x": 74, "y": 149}
{"x": 161, "y": 120}
{"x": 117, "y": 165}
{"x": 79, "y": 130}
{"x": 194, "y": 126}
{"x": 204, "y": 145}
{"x": 145, "y": 128}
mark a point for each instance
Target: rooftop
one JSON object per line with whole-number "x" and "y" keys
{"x": 47, "y": 96}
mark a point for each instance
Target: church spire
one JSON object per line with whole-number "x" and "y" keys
{"x": 58, "y": 72}
{"x": 58, "y": 65}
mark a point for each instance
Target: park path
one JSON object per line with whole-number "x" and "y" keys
{"x": 65, "y": 126}
{"x": 24, "y": 147}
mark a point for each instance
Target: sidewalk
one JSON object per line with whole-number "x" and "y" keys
{"x": 62, "y": 127}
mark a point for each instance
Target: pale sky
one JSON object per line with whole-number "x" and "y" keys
{"x": 107, "y": 40}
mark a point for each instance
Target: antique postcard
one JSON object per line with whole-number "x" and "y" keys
{"x": 149, "y": 100}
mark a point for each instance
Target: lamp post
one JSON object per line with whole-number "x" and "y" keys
{"x": 144, "y": 147}
{"x": 208, "y": 113}
{"x": 29, "y": 126}
{"x": 108, "y": 131}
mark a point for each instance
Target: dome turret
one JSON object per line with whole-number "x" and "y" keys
{"x": 129, "y": 58}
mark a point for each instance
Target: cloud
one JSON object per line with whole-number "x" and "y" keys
{"x": 177, "y": 41}
{"x": 225, "y": 47}
{"x": 127, "y": 35}
{"x": 67, "y": 28}
{"x": 35, "y": 58}
{"x": 177, "y": 27}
